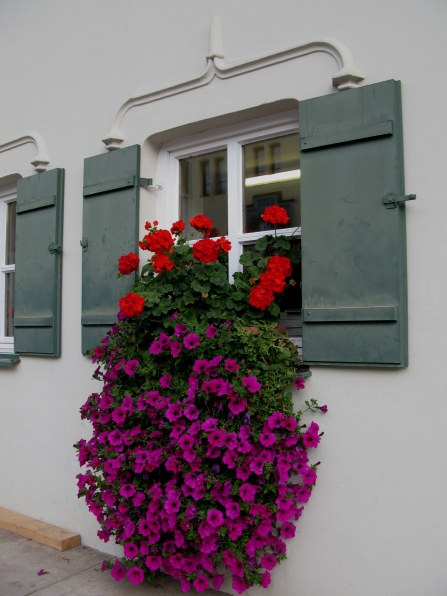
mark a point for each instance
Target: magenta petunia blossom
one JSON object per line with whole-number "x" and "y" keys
{"x": 130, "y": 550}
{"x": 211, "y": 331}
{"x": 165, "y": 381}
{"x": 215, "y": 518}
{"x": 201, "y": 583}
{"x": 131, "y": 367}
{"x": 247, "y": 492}
{"x": 231, "y": 365}
{"x": 239, "y": 584}
{"x": 251, "y": 383}
{"x": 118, "y": 571}
{"x": 191, "y": 341}
{"x": 265, "y": 579}
{"x": 310, "y": 437}
{"x": 127, "y": 490}
{"x": 153, "y": 562}
{"x": 135, "y": 575}
{"x": 176, "y": 348}
{"x": 210, "y": 424}
{"x": 298, "y": 382}
{"x": 287, "y": 530}
{"x": 267, "y": 439}
{"x": 155, "y": 348}
{"x": 191, "y": 412}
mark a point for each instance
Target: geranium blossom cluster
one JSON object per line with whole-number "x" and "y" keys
{"x": 196, "y": 466}
{"x": 275, "y": 215}
{"x": 272, "y": 281}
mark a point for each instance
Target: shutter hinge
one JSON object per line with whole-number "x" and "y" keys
{"x": 54, "y": 248}
{"x": 147, "y": 182}
{"x": 391, "y": 201}
{"x": 84, "y": 244}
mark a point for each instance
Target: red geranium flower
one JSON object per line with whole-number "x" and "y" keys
{"x": 224, "y": 244}
{"x": 178, "y": 227}
{"x": 280, "y": 264}
{"x": 272, "y": 280}
{"x": 159, "y": 241}
{"x": 260, "y": 297}
{"x": 161, "y": 263}
{"x": 205, "y": 250}
{"x": 128, "y": 263}
{"x": 132, "y": 304}
{"x": 201, "y": 223}
{"x": 275, "y": 215}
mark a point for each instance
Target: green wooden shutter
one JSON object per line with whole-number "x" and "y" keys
{"x": 353, "y": 234}
{"x": 110, "y": 229}
{"x": 37, "y": 300}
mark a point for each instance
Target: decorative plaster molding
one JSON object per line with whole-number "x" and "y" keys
{"x": 346, "y": 77}
{"x": 41, "y": 161}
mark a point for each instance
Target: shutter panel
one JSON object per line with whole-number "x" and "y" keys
{"x": 38, "y": 275}
{"x": 353, "y": 245}
{"x": 110, "y": 229}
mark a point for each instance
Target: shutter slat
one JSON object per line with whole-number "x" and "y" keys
{"x": 38, "y": 273}
{"x": 353, "y": 247}
{"x": 110, "y": 229}
{"x": 357, "y": 133}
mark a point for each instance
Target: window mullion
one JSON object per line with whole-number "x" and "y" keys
{"x": 235, "y": 200}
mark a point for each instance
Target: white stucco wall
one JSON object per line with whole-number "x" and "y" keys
{"x": 376, "y": 523}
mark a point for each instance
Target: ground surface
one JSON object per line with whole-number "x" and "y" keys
{"x": 75, "y": 572}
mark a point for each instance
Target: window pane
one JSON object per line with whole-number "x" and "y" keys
{"x": 10, "y": 233}
{"x": 203, "y": 190}
{"x": 9, "y": 304}
{"x": 271, "y": 176}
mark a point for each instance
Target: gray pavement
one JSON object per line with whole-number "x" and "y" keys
{"x": 27, "y": 567}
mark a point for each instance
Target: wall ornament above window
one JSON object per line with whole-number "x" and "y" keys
{"x": 347, "y": 75}
{"x": 41, "y": 161}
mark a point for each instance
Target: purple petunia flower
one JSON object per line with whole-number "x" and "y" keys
{"x": 201, "y": 583}
{"x": 298, "y": 382}
{"x": 130, "y": 550}
{"x": 155, "y": 347}
{"x": 165, "y": 381}
{"x": 251, "y": 383}
{"x": 231, "y": 365}
{"x": 131, "y": 367}
{"x": 247, "y": 492}
{"x": 191, "y": 341}
{"x": 287, "y": 530}
{"x": 153, "y": 562}
{"x": 176, "y": 348}
{"x": 118, "y": 571}
{"x": 211, "y": 331}
{"x": 135, "y": 575}
{"x": 215, "y": 518}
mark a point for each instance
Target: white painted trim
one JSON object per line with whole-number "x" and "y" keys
{"x": 7, "y": 195}
{"x": 41, "y": 161}
{"x": 347, "y": 75}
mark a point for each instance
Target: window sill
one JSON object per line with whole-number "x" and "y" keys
{"x": 9, "y": 360}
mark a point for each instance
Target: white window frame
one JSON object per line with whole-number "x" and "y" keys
{"x": 232, "y": 138}
{"x": 8, "y": 194}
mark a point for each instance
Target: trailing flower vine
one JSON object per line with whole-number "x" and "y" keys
{"x": 198, "y": 464}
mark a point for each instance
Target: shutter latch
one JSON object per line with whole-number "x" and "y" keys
{"x": 147, "y": 182}
{"x": 84, "y": 244}
{"x": 391, "y": 201}
{"x": 54, "y": 248}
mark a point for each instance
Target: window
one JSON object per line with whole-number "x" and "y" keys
{"x": 7, "y": 267}
{"x": 231, "y": 176}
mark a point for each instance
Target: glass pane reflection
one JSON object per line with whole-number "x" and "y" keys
{"x": 203, "y": 190}
{"x": 271, "y": 176}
